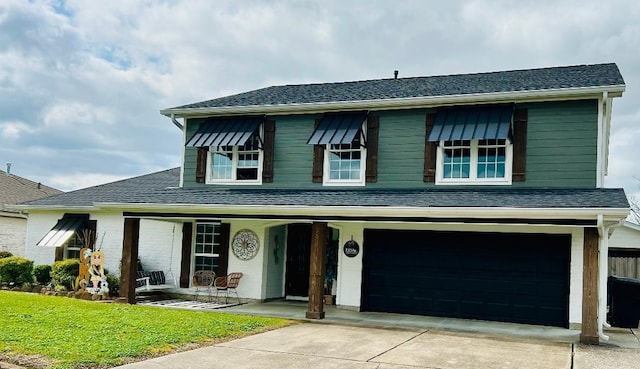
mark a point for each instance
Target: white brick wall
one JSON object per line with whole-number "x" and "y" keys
{"x": 13, "y": 234}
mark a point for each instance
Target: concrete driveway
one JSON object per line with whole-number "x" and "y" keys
{"x": 336, "y": 346}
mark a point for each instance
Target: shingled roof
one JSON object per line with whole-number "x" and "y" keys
{"x": 555, "y": 78}
{"x": 15, "y": 189}
{"x": 161, "y": 188}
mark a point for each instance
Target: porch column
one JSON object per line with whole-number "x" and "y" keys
{"x": 589, "y": 334}
{"x": 129, "y": 259}
{"x": 316, "y": 271}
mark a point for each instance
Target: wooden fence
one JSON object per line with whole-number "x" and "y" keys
{"x": 624, "y": 263}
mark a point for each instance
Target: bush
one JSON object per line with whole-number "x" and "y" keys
{"x": 42, "y": 273}
{"x": 5, "y": 254}
{"x": 15, "y": 269}
{"x": 114, "y": 285}
{"x": 64, "y": 274}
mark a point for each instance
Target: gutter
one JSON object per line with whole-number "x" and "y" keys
{"x": 403, "y": 103}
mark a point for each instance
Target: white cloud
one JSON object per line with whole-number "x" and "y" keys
{"x": 14, "y": 130}
{"x": 82, "y": 81}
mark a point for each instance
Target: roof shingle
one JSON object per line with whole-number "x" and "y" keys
{"x": 161, "y": 188}
{"x": 569, "y": 77}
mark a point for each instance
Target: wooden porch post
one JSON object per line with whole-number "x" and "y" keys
{"x": 316, "y": 271}
{"x": 589, "y": 334}
{"x": 129, "y": 259}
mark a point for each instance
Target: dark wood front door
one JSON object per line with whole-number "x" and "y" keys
{"x": 298, "y": 253}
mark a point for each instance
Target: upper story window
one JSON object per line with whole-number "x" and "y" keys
{"x": 342, "y": 141}
{"x": 231, "y": 150}
{"x": 474, "y": 145}
{"x": 474, "y": 161}
{"x": 239, "y": 163}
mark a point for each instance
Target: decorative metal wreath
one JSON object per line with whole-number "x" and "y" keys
{"x": 245, "y": 244}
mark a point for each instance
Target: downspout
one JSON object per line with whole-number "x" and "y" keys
{"x": 603, "y": 267}
{"x": 175, "y": 122}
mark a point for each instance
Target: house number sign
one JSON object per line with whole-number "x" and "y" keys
{"x": 351, "y": 248}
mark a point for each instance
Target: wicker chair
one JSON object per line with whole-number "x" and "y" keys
{"x": 203, "y": 280}
{"x": 226, "y": 284}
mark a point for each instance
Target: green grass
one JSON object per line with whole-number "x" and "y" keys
{"x": 75, "y": 333}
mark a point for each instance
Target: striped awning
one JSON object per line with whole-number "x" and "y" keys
{"x": 473, "y": 123}
{"x": 63, "y": 230}
{"x": 337, "y": 129}
{"x": 233, "y": 131}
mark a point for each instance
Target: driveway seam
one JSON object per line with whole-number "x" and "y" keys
{"x": 396, "y": 346}
{"x": 291, "y": 353}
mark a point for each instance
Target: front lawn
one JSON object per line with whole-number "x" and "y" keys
{"x": 62, "y": 332}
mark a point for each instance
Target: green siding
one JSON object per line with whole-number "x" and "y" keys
{"x": 401, "y": 149}
{"x": 561, "y": 144}
{"x": 561, "y": 148}
{"x": 190, "y": 155}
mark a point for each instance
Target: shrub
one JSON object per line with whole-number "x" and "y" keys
{"x": 15, "y": 269}
{"x": 114, "y": 285}
{"x": 5, "y": 254}
{"x": 64, "y": 273}
{"x": 42, "y": 273}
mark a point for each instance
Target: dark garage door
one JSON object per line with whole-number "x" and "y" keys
{"x": 510, "y": 277}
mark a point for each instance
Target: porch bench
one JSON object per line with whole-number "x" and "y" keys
{"x": 155, "y": 281}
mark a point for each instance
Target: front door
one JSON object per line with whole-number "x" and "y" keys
{"x": 298, "y": 254}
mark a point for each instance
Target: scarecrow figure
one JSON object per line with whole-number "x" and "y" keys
{"x": 98, "y": 281}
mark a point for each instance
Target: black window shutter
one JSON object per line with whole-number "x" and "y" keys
{"x": 371, "y": 175}
{"x": 318, "y": 159}
{"x": 268, "y": 146}
{"x": 223, "y": 261}
{"x": 201, "y": 164}
{"x": 520, "y": 118}
{"x": 430, "y": 152}
{"x": 185, "y": 263}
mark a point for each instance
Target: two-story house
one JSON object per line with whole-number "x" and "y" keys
{"x": 474, "y": 196}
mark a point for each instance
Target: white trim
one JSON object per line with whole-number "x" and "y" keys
{"x": 607, "y": 135}
{"x": 403, "y": 103}
{"x": 473, "y": 180}
{"x": 234, "y": 166}
{"x": 326, "y": 170}
{"x": 184, "y": 139}
{"x": 610, "y": 214}
{"x": 600, "y": 154}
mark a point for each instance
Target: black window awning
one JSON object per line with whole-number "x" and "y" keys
{"x": 472, "y": 123}
{"x": 216, "y": 132}
{"x": 63, "y": 230}
{"x": 337, "y": 129}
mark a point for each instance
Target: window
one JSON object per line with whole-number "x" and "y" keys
{"x": 207, "y": 246}
{"x": 345, "y": 163}
{"x": 72, "y": 247}
{"x": 474, "y": 162}
{"x": 237, "y": 164}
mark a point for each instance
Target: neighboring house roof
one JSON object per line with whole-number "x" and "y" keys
{"x": 15, "y": 189}
{"x": 161, "y": 188}
{"x": 569, "y": 78}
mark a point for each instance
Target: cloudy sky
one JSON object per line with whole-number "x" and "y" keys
{"x": 82, "y": 82}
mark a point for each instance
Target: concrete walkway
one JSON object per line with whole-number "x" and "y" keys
{"x": 348, "y": 339}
